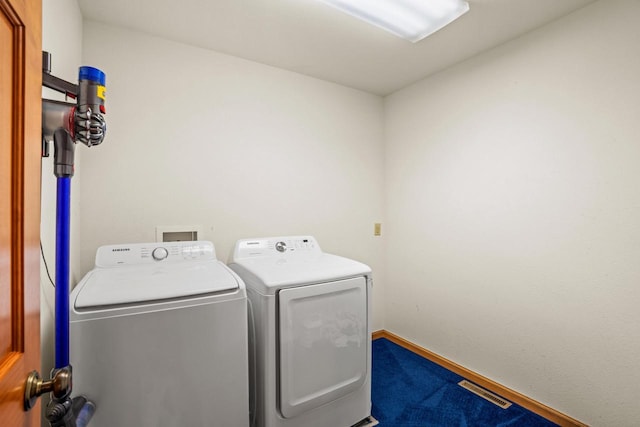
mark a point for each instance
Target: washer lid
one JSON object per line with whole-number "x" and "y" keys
{"x": 143, "y": 283}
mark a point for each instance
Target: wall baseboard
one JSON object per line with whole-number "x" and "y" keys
{"x": 511, "y": 395}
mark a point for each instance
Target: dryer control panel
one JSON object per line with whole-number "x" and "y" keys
{"x": 276, "y": 246}
{"x": 150, "y": 253}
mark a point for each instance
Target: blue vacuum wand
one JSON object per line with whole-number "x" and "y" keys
{"x": 66, "y": 124}
{"x": 84, "y": 122}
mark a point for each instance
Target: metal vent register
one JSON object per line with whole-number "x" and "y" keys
{"x": 497, "y": 400}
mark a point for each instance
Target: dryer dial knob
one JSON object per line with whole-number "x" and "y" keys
{"x": 159, "y": 254}
{"x": 281, "y": 246}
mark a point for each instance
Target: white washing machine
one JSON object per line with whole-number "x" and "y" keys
{"x": 158, "y": 337}
{"x": 311, "y": 339}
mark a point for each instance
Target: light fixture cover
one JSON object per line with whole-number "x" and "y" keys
{"x": 410, "y": 19}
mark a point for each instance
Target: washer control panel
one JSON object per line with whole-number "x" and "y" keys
{"x": 276, "y": 246}
{"x": 151, "y": 253}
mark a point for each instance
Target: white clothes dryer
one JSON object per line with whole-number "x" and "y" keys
{"x": 310, "y": 347}
{"x": 158, "y": 337}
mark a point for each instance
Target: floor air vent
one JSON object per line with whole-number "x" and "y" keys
{"x": 504, "y": 404}
{"x": 367, "y": 422}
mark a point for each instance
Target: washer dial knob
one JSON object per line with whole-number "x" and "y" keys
{"x": 281, "y": 246}
{"x": 159, "y": 254}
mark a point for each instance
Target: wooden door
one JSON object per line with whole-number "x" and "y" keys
{"x": 20, "y": 129}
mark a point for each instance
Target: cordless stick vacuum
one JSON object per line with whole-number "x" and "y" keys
{"x": 66, "y": 123}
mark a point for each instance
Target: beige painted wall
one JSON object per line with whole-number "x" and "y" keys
{"x": 513, "y": 213}
{"x": 239, "y": 148}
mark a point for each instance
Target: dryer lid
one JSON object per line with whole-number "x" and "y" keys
{"x": 267, "y": 264}
{"x": 272, "y": 274}
{"x": 150, "y": 283}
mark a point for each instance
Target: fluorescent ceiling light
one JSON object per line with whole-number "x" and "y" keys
{"x": 410, "y": 19}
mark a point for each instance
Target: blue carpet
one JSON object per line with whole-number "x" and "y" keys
{"x": 411, "y": 391}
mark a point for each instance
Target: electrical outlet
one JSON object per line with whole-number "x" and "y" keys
{"x": 377, "y": 229}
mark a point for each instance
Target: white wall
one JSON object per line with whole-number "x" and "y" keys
{"x": 513, "y": 214}
{"x": 242, "y": 149}
{"x": 62, "y": 37}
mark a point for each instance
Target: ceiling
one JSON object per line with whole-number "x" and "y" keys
{"x": 311, "y": 38}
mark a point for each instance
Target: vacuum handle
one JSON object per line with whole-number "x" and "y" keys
{"x": 63, "y": 154}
